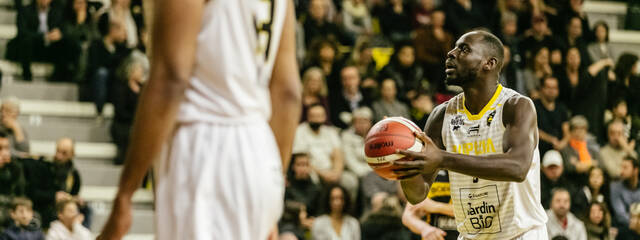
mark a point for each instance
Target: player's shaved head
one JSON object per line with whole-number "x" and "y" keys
{"x": 494, "y": 47}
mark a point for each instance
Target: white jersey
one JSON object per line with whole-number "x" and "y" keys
{"x": 486, "y": 209}
{"x": 236, "y": 51}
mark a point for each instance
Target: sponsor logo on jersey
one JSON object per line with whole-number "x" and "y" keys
{"x": 474, "y": 131}
{"x": 456, "y": 122}
{"x": 475, "y": 148}
{"x": 490, "y": 118}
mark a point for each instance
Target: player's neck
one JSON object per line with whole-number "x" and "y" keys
{"x": 478, "y": 94}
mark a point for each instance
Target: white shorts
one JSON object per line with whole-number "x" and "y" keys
{"x": 219, "y": 181}
{"x": 537, "y": 233}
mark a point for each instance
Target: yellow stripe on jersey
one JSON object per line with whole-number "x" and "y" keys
{"x": 474, "y": 117}
{"x": 439, "y": 189}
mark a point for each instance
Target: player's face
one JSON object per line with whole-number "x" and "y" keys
{"x": 336, "y": 200}
{"x": 561, "y": 203}
{"x": 464, "y": 61}
{"x": 596, "y": 214}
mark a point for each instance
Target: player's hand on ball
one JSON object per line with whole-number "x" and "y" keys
{"x": 119, "y": 221}
{"x": 426, "y": 161}
{"x": 432, "y": 233}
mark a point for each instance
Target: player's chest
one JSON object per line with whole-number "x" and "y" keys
{"x": 474, "y": 137}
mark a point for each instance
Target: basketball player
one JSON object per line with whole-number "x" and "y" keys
{"x": 217, "y": 68}
{"x": 487, "y": 138}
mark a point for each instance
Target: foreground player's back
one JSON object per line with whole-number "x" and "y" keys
{"x": 235, "y": 54}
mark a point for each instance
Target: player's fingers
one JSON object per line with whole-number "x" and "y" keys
{"x": 410, "y": 154}
{"x": 421, "y": 135}
{"x": 416, "y": 163}
{"x": 405, "y": 169}
{"x": 401, "y": 177}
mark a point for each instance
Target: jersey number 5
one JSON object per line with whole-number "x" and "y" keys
{"x": 262, "y": 21}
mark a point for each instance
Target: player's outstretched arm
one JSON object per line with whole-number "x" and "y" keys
{"x": 417, "y": 181}
{"x": 412, "y": 219}
{"x": 286, "y": 90}
{"x": 520, "y": 140}
{"x": 174, "y": 44}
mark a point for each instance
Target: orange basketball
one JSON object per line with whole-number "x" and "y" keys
{"x": 384, "y": 138}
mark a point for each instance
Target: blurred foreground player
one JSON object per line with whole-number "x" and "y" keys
{"x": 487, "y": 138}
{"x": 217, "y": 67}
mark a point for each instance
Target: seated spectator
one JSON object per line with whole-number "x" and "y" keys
{"x": 353, "y": 142}
{"x": 596, "y": 190}
{"x": 575, "y": 10}
{"x": 619, "y": 111}
{"x": 316, "y": 24}
{"x": 432, "y": 43}
{"x": 511, "y": 73}
{"x": 598, "y": 222}
{"x": 616, "y": 149}
{"x": 561, "y": 221}
{"x": 583, "y": 89}
{"x": 295, "y": 222}
{"x": 553, "y": 117}
{"x": 386, "y": 222}
{"x": 314, "y": 91}
{"x": 538, "y": 36}
{"x": 356, "y": 19}
{"x": 335, "y": 222}
{"x": 374, "y": 189}
{"x": 537, "y": 68}
{"x": 121, "y": 11}
{"x": 634, "y": 223}
{"x": 51, "y": 182}
{"x": 126, "y": 90}
{"x": 573, "y": 37}
{"x": 300, "y": 188}
{"x": 553, "y": 177}
{"x": 627, "y": 83}
{"x": 78, "y": 31}
{"x": 438, "y": 210}
{"x": 623, "y": 193}
{"x": 421, "y": 107}
{"x": 323, "y": 54}
{"x": 422, "y": 13}
{"x": 350, "y": 97}
{"x": 18, "y": 139}
{"x": 105, "y": 55}
{"x": 405, "y": 71}
{"x": 470, "y": 14}
{"x": 582, "y": 151}
{"x": 600, "y": 49}
{"x": 23, "y": 227}
{"x": 69, "y": 223}
{"x": 323, "y": 145}
{"x": 362, "y": 58}
{"x": 395, "y": 21}
{"x": 389, "y": 105}
{"x": 12, "y": 182}
{"x": 39, "y": 36}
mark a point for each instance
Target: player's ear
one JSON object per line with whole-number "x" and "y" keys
{"x": 492, "y": 63}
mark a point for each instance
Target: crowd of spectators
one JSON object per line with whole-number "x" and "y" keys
{"x": 359, "y": 62}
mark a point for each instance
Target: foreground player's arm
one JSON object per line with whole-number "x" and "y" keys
{"x": 413, "y": 214}
{"x": 174, "y": 45}
{"x": 415, "y": 186}
{"x": 285, "y": 90}
{"x": 520, "y": 140}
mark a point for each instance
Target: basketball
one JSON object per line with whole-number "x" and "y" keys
{"x": 384, "y": 138}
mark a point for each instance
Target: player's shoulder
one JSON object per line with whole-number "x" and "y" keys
{"x": 518, "y": 104}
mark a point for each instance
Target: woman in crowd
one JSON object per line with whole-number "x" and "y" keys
{"x": 627, "y": 83}
{"x": 596, "y": 190}
{"x": 323, "y": 53}
{"x": 537, "y": 68}
{"x": 407, "y": 74}
{"x": 598, "y": 222}
{"x": 600, "y": 49}
{"x": 314, "y": 91}
{"x": 335, "y": 223}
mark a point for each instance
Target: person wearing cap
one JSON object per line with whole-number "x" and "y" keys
{"x": 582, "y": 152}
{"x": 623, "y": 193}
{"x": 552, "y": 176}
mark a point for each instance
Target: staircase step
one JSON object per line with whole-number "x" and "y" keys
{"x": 40, "y": 91}
{"x": 78, "y": 129}
{"x": 83, "y": 150}
{"x": 96, "y": 173}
